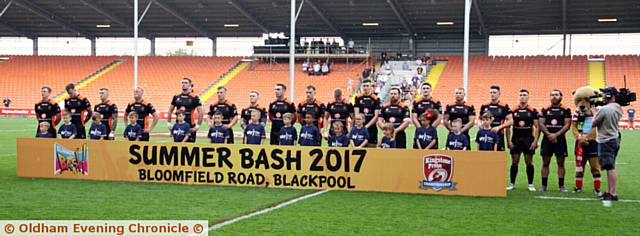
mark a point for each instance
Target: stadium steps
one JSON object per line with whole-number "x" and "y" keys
{"x": 433, "y": 76}
{"x": 597, "y": 74}
{"x": 86, "y": 81}
{"x": 206, "y": 94}
{"x": 435, "y": 73}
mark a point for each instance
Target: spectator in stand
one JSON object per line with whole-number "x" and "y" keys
{"x": 7, "y": 102}
{"x": 350, "y": 86}
{"x": 383, "y": 57}
{"x": 316, "y": 68}
{"x": 351, "y": 46}
{"x": 405, "y": 65}
{"x": 335, "y": 46}
{"x": 325, "y": 68}
{"x": 305, "y": 66}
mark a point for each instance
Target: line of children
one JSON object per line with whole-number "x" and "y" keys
{"x": 426, "y": 136}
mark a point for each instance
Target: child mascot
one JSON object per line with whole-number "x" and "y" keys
{"x": 586, "y": 148}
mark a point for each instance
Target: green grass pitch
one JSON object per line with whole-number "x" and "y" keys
{"x": 332, "y": 213}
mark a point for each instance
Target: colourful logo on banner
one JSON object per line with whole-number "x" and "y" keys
{"x": 70, "y": 161}
{"x": 438, "y": 172}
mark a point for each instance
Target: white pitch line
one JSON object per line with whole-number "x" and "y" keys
{"x": 581, "y": 199}
{"x": 266, "y": 210}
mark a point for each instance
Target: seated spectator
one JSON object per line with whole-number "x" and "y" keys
{"x": 325, "y": 68}
{"x": 316, "y": 68}
{"x": 305, "y": 66}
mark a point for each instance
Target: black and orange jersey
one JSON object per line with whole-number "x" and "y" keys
{"x": 340, "y": 111}
{"x": 143, "y": 109}
{"x": 421, "y": 105}
{"x": 554, "y": 117}
{"x": 523, "y": 120}
{"x": 47, "y": 111}
{"x": 228, "y": 110}
{"x": 462, "y": 111}
{"x": 276, "y": 110}
{"x": 245, "y": 114}
{"x": 315, "y": 107}
{"x": 78, "y": 106}
{"x": 394, "y": 113}
{"x": 499, "y": 112}
{"x": 108, "y": 111}
{"x": 188, "y": 103}
{"x": 368, "y": 105}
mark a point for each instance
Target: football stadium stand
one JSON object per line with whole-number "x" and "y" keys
{"x": 538, "y": 74}
{"x": 23, "y": 76}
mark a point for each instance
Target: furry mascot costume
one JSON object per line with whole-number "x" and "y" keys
{"x": 586, "y": 148}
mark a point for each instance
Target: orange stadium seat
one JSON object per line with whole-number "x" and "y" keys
{"x": 23, "y": 76}
{"x": 160, "y": 77}
{"x": 538, "y": 74}
{"x": 616, "y": 67}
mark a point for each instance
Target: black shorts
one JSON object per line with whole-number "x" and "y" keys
{"x": 500, "y": 141}
{"x": 401, "y": 140}
{"x": 106, "y": 137}
{"x": 144, "y": 136}
{"x": 192, "y": 137}
{"x": 81, "y": 133}
{"x": 607, "y": 153}
{"x": 373, "y": 135}
{"x": 559, "y": 149}
{"x": 231, "y": 137}
{"x": 466, "y": 134}
{"x": 521, "y": 145}
{"x": 274, "y": 137}
{"x": 588, "y": 151}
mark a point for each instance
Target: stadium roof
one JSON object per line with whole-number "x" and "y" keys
{"x": 207, "y": 18}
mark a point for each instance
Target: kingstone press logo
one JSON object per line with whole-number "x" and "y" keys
{"x": 70, "y": 162}
{"x": 438, "y": 172}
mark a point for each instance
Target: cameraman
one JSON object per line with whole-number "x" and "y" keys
{"x": 608, "y": 138}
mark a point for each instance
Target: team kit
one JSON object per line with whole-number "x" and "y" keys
{"x": 343, "y": 124}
